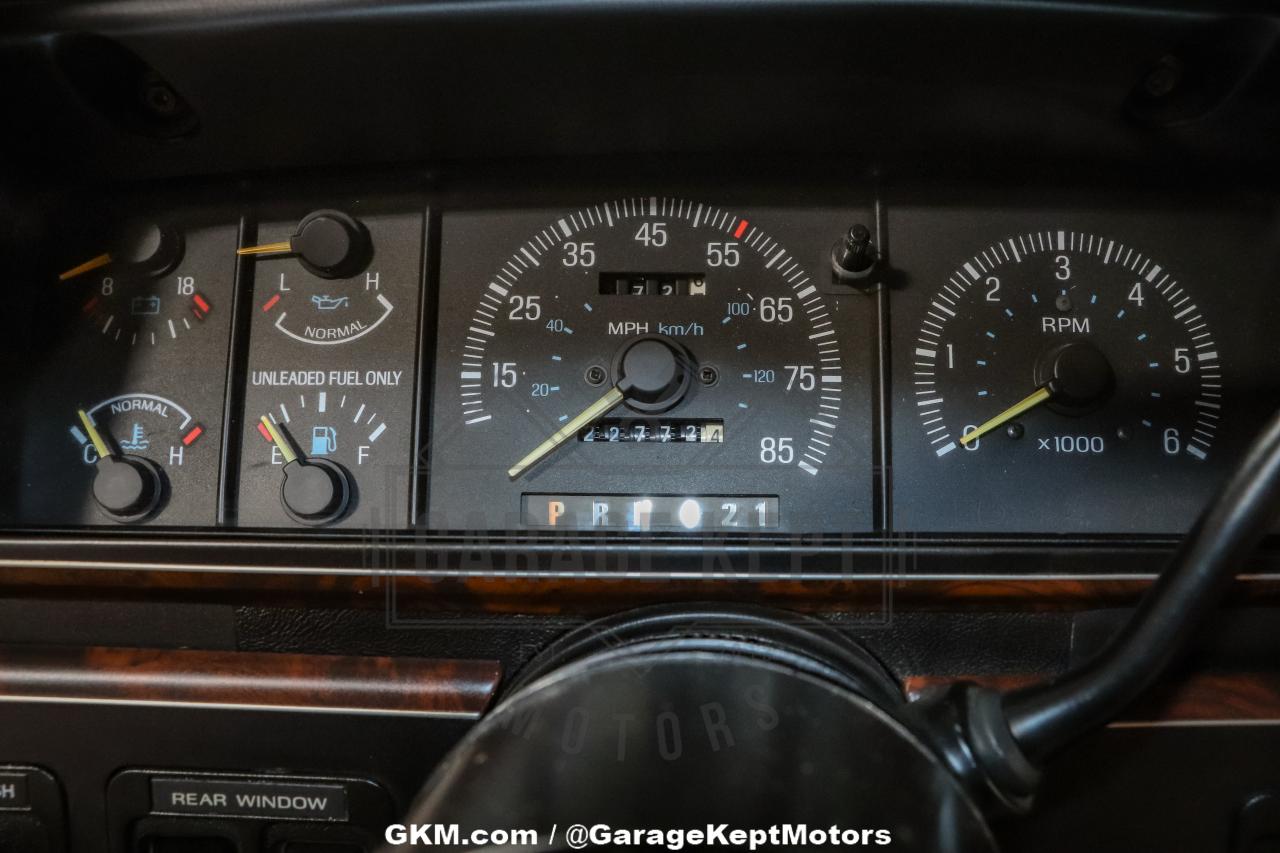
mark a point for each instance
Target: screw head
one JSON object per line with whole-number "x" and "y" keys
{"x": 1015, "y": 431}
{"x": 596, "y": 375}
{"x": 1124, "y": 433}
{"x": 708, "y": 375}
{"x": 1063, "y": 302}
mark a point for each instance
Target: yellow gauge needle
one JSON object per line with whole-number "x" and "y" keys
{"x": 1026, "y": 404}
{"x": 88, "y": 266}
{"x": 99, "y": 443}
{"x": 589, "y": 415}
{"x": 283, "y": 247}
{"x": 281, "y": 442}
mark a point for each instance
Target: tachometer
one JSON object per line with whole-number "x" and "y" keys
{"x": 1057, "y": 379}
{"x": 644, "y": 364}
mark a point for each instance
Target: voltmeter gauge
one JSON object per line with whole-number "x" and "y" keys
{"x": 140, "y": 292}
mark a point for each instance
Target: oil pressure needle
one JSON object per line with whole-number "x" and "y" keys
{"x": 589, "y": 415}
{"x": 283, "y": 247}
{"x": 1026, "y": 404}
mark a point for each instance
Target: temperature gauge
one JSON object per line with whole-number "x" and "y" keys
{"x": 135, "y": 450}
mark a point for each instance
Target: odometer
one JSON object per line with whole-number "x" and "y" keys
{"x": 650, "y": 347}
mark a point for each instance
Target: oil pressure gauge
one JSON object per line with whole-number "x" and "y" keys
{"x": 329, "y": 403}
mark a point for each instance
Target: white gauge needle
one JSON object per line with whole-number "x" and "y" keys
{"x": 589, "y": 415}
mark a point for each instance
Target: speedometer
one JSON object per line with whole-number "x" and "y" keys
{"x": 648, "y": 363}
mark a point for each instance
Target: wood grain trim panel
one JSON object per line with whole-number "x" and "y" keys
{"x": 323, "y": 683}
{"x": 588, "y": 596}
{"x": 1184, "y": 699}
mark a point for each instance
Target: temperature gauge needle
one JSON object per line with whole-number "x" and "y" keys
{"x": 589, "y": 415}
{"x": 88, "y": 266}
{"x": 1026, "y": 404}
{"x": 99, "y": 443}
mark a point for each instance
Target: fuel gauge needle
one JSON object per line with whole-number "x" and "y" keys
{"x": 588, "y": 416}
{"x": 282, "y": 444}
{"x": 1026, "y": 404}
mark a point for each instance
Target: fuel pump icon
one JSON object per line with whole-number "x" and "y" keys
{"x": 324, "y": 440}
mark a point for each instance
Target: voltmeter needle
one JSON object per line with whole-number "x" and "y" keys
{"x": 88, "y": 266}
{"x": 1026, "y": 404}
{"x": 282, "y": 444}
{"x": 589, "y": 415}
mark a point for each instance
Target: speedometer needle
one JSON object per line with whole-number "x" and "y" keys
{"x": 588, "y": 416}
{"x": 1026, "y": 404}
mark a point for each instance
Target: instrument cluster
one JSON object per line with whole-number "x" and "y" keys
{"x": 642, "y": 363}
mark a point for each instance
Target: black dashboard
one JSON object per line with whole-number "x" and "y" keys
{"x": 509, "y": 414}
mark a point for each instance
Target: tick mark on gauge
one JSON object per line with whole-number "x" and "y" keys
{"x": 724, "y": 321}
{"x": 1034, "y": 299}
{"x": 373, "y": 436}
{"x": 587, "y": 305}
{"x": 563, "y": 418}
{"x": 1008, "y": 312}
{"x": 982, "y": 362}
{"x": 1093, "y": 300}
{"x": 1120, "y": 314}
{"x": 742, "y": 229}
{"x": 1142, "y": 337}
{"x": 742, "y": 405}
{"x": 271, "y": 303}
{"x": 991, "y": 335}
{"x": 982, "y": 393}
{"x": 742, "y": 346}
{"x": 555, "y": 358}
{"x": 197, "y": 431}
{"x": 1153, "y": 364}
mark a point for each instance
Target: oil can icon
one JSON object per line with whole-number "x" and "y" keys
{"x": 324, "y": 440}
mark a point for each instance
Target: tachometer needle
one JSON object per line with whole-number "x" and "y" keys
{"x": 1026, "y": 404}
{"x": 589, "y": 415}
{"x": 88, "y": 266}
{"x": 99, "y": 443}
{"x": 281, "y": 443}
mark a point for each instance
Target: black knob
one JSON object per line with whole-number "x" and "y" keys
{"x": 854, "y": 257}
{"x": 1078, "y": 375}
{"x": 316, "y": 491}
{"x": 331, "y": 244}
{"x": 127, "y": 488}
{"x": 653, "y": 373}
{"x": 148, "y": 248}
